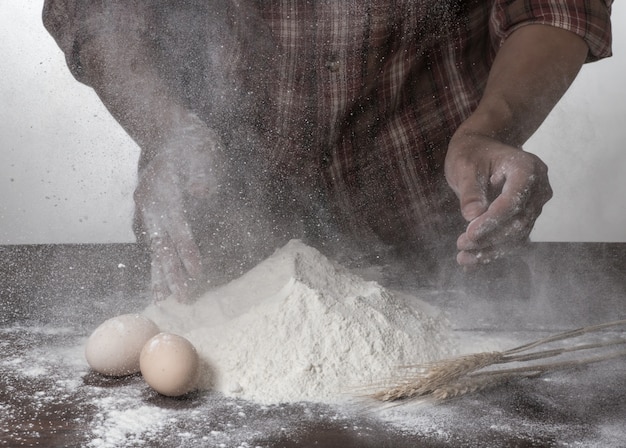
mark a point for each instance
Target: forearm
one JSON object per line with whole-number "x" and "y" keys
{"x": 531, "y": 72}
{"x": 122, "y": 75}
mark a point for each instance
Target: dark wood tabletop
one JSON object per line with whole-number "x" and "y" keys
{"x": 52, "y": 296}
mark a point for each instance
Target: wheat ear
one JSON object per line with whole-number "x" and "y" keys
{"x": 435, "y": 375}
{"x": 461, "y": 375}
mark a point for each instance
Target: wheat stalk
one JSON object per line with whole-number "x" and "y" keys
{"x": 470, "y": 384}
{"x": 431, "y": 377}
{"x": 461, "y": 375}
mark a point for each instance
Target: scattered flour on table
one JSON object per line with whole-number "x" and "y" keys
{"x": 298, "y": 327}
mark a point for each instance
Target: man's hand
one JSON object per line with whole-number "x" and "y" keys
{"x": 180, "y": 154}
{"x": 167, "y": 186}
{"x": 175, "y": 259}
{"x": 501, "y": 190}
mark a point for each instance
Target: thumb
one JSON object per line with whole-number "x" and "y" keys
{"x": 467, "y": 172}
{"x": 473, "y": 200}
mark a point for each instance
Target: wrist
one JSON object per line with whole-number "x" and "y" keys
{"x": 493, "y": 119}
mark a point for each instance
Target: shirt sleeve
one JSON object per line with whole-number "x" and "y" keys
{"x": 590, "y": 19}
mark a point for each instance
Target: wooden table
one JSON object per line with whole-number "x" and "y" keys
{"x": 53, "y": 296}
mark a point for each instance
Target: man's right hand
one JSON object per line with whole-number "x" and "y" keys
{"x": 185, "y": 169}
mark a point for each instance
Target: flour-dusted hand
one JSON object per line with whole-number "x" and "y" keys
{"x": 182, "y": 173}
{"x": 501, "y": 190}
{"x": 180, "y": 156}
{"x": 175, "y": 259}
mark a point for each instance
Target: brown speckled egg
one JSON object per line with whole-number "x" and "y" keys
{"x": 170, "y": 364}
{"x": 114, "y": 347}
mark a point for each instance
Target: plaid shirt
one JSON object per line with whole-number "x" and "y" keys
{"x": 370, "y": 92}
{"x": 362, "y": 96}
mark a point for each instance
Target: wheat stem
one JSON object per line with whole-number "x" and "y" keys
{"x": 565, "y": 335}
{"x": 558, "y": 351}
{"x": 540, "y": 368}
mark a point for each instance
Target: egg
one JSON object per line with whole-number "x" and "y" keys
{"x": 114, "y": 347}
{"x": 170, "y": 364}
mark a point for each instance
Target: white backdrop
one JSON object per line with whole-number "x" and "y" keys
{"x": 67, "y": 169}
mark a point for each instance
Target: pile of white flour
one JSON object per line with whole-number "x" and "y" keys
{"x": 297, "y": 327}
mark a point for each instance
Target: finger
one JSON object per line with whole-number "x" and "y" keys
{"x": 488, "y": 255}
{"x": 516, "y": 228}
{"x": 512, "y": 201}
{"x": 175, "y": 252}
{"x": 472, "y": 193}
{"x": 172, "y": 273}
{"x": 506, "y": 240}
{"x": 201, "y": 179}
{"x": 158, "y": 277}
{"x": 158, "y": 283}
{"x": 187, "y": 249}
{"x": 469, "y": 259}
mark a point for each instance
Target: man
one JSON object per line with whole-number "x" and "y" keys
{"x": 264, "y": 120}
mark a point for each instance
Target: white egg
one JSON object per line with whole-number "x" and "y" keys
{"x": 170, "y": 364}
{"x": 114, "y": 347}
